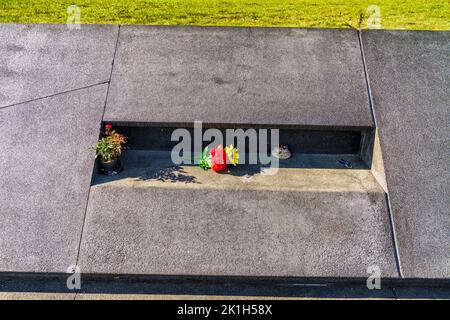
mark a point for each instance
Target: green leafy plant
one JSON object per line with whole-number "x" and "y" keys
{"x": 205, "y": 159}
{"x": 110, "y": 147}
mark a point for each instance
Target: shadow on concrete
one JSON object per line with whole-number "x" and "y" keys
{"x": 156, "y": 171}
{"x": 227, "y": 286}
{"x": 169, "y": 174}
{"x": 146, "y": 165}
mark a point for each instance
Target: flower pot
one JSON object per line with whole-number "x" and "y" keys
{"x": 110, "y": 168}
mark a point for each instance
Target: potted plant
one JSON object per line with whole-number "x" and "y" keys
{"x": 108, "y": 150}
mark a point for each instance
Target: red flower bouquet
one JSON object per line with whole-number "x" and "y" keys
{"x": 219, "y": 158}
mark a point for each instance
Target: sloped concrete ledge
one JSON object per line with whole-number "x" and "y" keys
{"x": 239, "y": 75}
{"x": 409, "y": 78}
{"x": 181, "y": 228}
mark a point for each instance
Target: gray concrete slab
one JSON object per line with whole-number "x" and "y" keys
{"x": 36, "y": 296}
{"x": 41, "y": 60}
{"x": 299, "y": 222}
{"x": 409, "y": 75}
{"x": 238, "y": 75}
{"x": 46, "y": 169}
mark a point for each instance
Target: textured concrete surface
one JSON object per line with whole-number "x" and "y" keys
{"x": 237, "y": 227}
{"x": 172, "y": 297}
{"x": 36, "y": 296}
{"x": 41, "y": 60}
{"x": 46, "y": 168}
{"x": 155, "y": 169}
{"x": 140, "y": 297}
{"x": 409, "y": 74}
{"x": 239, "y": 75}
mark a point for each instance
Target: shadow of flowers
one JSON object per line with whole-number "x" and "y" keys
{"x": 170, "y": 174}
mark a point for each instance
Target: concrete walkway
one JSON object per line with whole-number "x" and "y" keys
{"x": 58, "y": 85}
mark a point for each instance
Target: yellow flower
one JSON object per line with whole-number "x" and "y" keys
{"x": 232, "y": 154}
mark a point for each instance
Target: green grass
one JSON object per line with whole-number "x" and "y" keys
{"x": 395, "y": 14}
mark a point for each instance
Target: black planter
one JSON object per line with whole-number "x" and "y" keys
{"x": 109, "y": 168}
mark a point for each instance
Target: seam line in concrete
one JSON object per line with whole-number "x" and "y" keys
{"x": 111, "y": 73}
{"x": 394, "y": 236}
{"x": 84, "y": 218}
{"x": 92, "y": 177}
{"x": 374, "y": 119}
{"x": 54, "y": 95}
{"x": 366, "y": 78}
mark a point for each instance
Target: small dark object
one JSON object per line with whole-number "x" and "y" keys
{"x": 346, "y": 163}
{"x": 110, "y": 168}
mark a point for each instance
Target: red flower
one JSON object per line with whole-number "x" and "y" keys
{"x": 218, "y": 159}
{"x": 108, "y": 127}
